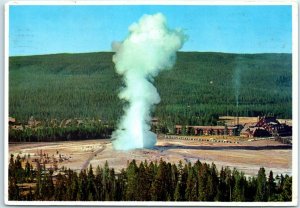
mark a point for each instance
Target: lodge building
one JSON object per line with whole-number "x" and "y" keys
{"x": 208, "y": 130}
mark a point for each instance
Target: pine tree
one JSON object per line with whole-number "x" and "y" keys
{"x": 11, "y": 167}
{"x": 32, "y": 173}
{"x": 239, "y": 186}
{"x": 121, "y": 186}
{"x": 223, "y": 190}
{"x": 49, "y": 186}
{"x": 69, "y": 192}
{"x": 191, "y": 191}
{"x": 112, "y": 185}
{"x": 60, "y": 188}
{"x": 174, "y": 179}
{"x": 90, "y": 183}
{"x": 143, "y": 186}
{"x": 251, "y": 189}
{"x": 261, "y": 194}
{"x": 271, "y": 187}
{"x": 38, "y": 186}
{"x": 280, "y": 183}
{"x": 229, "y": 182}
{"x": 159, "y": 189}
{"x": 213, "y": 182}
{"x": 177, "y": 195}
{"x": 106, "y": 182}
{"x": 184, "y": 176}
{"x": 132, "y": 173}
{"x": 286, "y": 194}
{"x": 203, "y": 183}
{"x": 82, "y": 194}
{"x": 13, "y": 191}
{"x": 90, "y": 197}
{"x": 168, "y": 182}
{"x": 27, "y": 171}
{"x": 74, "y": 186}
{"x": 18, "y": 170}
{"x": 98, "y": 184}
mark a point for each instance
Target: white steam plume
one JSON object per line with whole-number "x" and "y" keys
{"x": 149, "y": 48}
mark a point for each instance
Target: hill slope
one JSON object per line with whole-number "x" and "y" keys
{"x": 200, "y": 87}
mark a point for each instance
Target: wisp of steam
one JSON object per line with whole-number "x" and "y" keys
{"x": 237, "y": 84}
{"x": 149, "y": 48}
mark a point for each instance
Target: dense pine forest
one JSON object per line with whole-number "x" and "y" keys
{"x": 154, "y": 181}
{"x": 200, "y": 88}
{"x": 86, "y": 86}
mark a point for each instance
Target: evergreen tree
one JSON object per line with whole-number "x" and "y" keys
{"x": 38, "y": 186}
{"x": 11, "y": 168}
{"x": 213, "y": 177}
{"x": 132, "y": 174}
{"x": 229, "y": 182}
{"x": 13, "y": 191}
{"x": 168, "y": 182}
{"x": 112, "y": 185}
{"x": 75, "y": 186}
{"x": 90, "y": 184}
{"x": 72, "y": 186}
{"x": 174, "y": 179}
{"x": 106, "y": 181}
{"x": 191, "y": 192}
{"x": 60, "y": 188}
{"x": 47, "y": 189}
{"x": 159, "y": 189}
{"x": 251, "y": 189}
{"x": 82, "y": 194}
{"x": 271, "y": 187}
{"x": 261, "y": 193}
{"x": 286, "y": 194}
{"x": 121, "y": 186}
{"x": 239, "y": 186}
{"x": 223, "y": 189}
{"x": 143, "y": 185}
{"x": 203, "y": 183}
{"x": 98, "y": 184}
{"x": 18, "y": 170}
{"x": 27, "y": 172}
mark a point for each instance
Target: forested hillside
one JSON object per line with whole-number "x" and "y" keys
{"x": 200, "y": 87}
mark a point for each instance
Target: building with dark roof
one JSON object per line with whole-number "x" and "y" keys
{"x": 265, "y": 127}
{"x": 208, "y": 130}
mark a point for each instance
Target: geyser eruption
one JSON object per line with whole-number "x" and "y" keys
{"x": 149, "y": 48}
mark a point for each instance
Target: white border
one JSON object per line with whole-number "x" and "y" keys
{"x": 6, "y": 61}
{"x": 295, "y": 114}
{"x": 295, "y": 104}
{"x": 156, "y": 2}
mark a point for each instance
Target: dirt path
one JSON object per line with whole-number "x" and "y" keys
{"x": 87, "y": 162}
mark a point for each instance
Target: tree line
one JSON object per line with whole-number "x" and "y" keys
{"x": 146, "y": 181}
{"x": 52, "y": 134}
